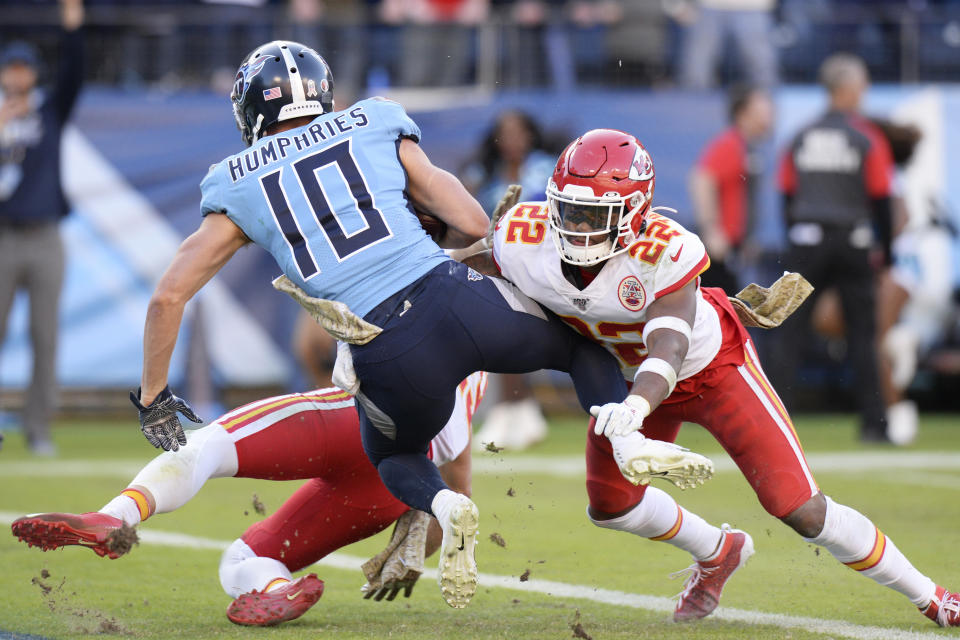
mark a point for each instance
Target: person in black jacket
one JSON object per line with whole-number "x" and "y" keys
{"x": 835, "y": 178}
{"x": 32, "y": 204}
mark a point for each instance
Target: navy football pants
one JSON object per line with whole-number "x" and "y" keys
{"x": 436, "y": 332}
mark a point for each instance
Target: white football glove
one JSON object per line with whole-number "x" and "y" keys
{"x": 620, "y": 418}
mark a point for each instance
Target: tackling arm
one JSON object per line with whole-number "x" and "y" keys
{"x": 667, "y": 338}
{"x": 440, "y": 193}
{"x": 665, "y": 343}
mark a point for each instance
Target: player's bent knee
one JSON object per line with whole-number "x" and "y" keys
{"x": 611, "y": 500}
{"x": 808, "y": 518}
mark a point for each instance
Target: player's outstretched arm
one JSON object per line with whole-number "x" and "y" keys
{"x": 667, "y": 337}
{"x": 197, "y": 260}
{"x": 441, "y": 194}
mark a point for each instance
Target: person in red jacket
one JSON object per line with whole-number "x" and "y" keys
{"x": 723, "y": 184}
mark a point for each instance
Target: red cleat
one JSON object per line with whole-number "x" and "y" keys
{"x": 94, "y": 530}
{"x": 701, "y": 592}
{"x": 258, "y": 609}
{"x": 944, "y": 609}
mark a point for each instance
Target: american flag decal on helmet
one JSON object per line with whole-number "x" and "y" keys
{"x": 270, "y": 94}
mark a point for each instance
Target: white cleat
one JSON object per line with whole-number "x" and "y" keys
{"x": 457, "y": 574}
{"x": 642, "y": 459}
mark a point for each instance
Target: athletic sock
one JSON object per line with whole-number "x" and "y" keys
{"x": 659, "y": 517}
{"x": 174, "y": 477}
{"x": 131, "y": 506}
{"x": 276, "y": 583}
{"x": 856, "y": 542}
{"x": 443, "y": 503}
{"x": 242, "y": 571}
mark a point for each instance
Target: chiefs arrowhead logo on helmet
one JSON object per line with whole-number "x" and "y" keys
{"x": 642, "y": 167}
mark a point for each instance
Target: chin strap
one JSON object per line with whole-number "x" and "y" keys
{"x": 767, "y": 308}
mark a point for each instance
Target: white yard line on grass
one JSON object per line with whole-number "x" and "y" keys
{"x": 837, "y": 628}
{"x": 560, "y": 466}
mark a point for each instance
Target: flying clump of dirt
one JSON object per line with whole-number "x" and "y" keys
{"x": 258, "y": 506}
{"x": 525, "y": 575}
{"x": 492, "y": 447}
{"x": 85, "y": 621}
{"x": 577, "y": 628}
{"x": 497, "y": 539}
{"x": 122, "y": 540}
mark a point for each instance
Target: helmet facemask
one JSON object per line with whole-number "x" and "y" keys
{"x": 588, "y": 229}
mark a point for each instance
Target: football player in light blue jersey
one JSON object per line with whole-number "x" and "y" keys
{"x": 329, "y": 195}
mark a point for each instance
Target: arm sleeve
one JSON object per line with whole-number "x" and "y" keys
{"x": 395, "y": 119}
{"x": 691, "y": 260}
{"x": 717, "y": 159}
{"x": 878, "y": 167}
{"x": 211, "y": 200}
{"x": 787, "y": 174}
{"x": 70, "y": 66}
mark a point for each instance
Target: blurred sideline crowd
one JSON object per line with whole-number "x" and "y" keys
{"x": 512, "y": 43}
{"x": 886, "y": 304}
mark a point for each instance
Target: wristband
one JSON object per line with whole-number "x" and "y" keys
{"x": 660, "y": 367}
{"x": 673, "y": 323}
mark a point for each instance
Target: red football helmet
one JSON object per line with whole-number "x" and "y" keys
{"x": 599, "y": 194}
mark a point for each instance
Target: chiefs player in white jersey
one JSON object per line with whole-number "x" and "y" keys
{"x": 621, "y": 273}
{"x": 314, "y": 436}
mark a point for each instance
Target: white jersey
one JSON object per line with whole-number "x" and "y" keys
{"x": 612, "y": 308}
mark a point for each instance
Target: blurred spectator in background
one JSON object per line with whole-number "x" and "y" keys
{"x": 914, "y": 299}
{"x": 335, "y": 29}
{"x": 32, "y": 204}
{"x": 835, "y": 178}
{"x": 512, "y": 152}
{"x": 437, "y": 39}
{"x": 523, "y": 55}
{"x": 315, "y": 351}
{"x": 235, "y": 27}
{"x": 637, "y": 44}
{"x": 707, "y": 26}
{"x": 723, "y": 186}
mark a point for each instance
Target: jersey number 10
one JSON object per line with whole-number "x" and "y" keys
{"x": 343, "y": 245}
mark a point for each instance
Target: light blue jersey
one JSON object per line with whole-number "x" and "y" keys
{"x": 327, "y": 201}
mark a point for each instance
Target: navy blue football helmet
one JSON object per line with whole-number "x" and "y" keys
{"x": 278, "y": 81}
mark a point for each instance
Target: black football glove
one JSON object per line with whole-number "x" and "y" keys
{"x": 159, "y": 421}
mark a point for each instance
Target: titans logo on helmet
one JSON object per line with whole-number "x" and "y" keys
{"x": 247, "y": 72}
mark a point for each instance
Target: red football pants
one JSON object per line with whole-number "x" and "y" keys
{"x": 317, "y": 436}
{"x": 741, "y": 410}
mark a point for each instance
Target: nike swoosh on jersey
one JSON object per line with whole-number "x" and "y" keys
{"x": 676, "y": 256}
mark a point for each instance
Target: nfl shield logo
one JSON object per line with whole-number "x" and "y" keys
{"x": 579, "y": 303}
{"x": 631, "y": 293}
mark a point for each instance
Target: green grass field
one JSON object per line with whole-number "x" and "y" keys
{"x": 166, "y": 591}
